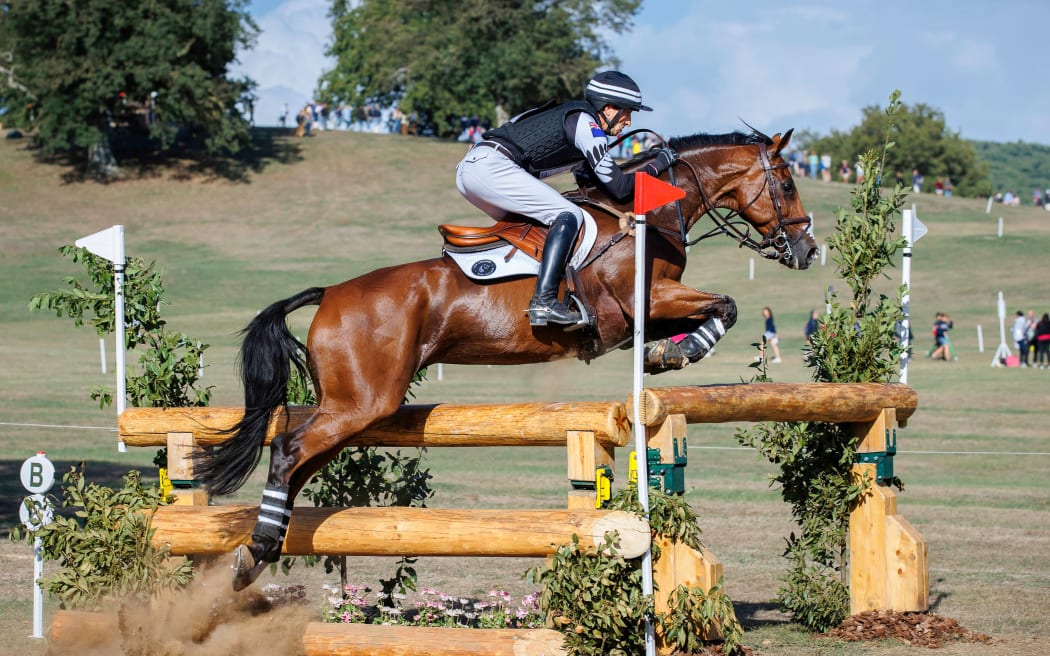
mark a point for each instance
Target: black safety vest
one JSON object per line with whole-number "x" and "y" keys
{"x": 537, "y": 137}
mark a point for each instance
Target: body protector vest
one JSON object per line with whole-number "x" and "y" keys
{"x": 537, "y": 137}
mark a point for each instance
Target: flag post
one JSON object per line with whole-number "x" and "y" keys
{"x": 649, "y": 193}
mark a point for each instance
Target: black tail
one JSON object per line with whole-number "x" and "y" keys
{"x": 268, "y": 352}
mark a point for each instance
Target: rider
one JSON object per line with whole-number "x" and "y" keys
{"x": 501, "y": 174}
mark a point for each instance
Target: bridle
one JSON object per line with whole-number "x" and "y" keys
{"x": 774, "y": 245}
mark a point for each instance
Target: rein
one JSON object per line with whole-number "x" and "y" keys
{"x": 725, "y": 224}
{"x": 774, "y": 246}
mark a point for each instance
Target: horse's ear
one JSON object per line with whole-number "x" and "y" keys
{"x": 781, "y": 141}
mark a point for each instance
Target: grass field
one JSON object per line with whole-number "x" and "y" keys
{"x": 974, "y": 456}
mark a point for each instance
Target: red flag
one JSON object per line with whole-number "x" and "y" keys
{"x": 650, "y": 193}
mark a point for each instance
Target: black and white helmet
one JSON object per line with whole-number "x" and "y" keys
{"x": 616, "y": 89}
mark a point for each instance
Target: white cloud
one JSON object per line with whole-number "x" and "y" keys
{"x": 288, "y": 57}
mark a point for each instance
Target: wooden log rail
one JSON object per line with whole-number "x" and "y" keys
{"x": 213, "y": 530}
{"x": 836, "y": 403}
{"x": 445, "y": 424}
{"x": 81, "y": 631}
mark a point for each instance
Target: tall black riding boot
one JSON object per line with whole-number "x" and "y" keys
{"x": 545, "y": 307}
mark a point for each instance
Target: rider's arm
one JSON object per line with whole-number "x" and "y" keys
{"x": 590, "y": 139}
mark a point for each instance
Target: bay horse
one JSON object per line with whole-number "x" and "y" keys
{"x": 373, "y": 333}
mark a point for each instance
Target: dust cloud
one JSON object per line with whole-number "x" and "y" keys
{"x": 205, "y": 619}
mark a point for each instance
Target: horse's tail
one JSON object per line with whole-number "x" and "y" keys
{"x": 268, "y": 352}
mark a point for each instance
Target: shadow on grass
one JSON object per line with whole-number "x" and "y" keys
{"x": 755, "y": 615}
{"x": 107, "y": 474}
{"x": 141, "y": 158}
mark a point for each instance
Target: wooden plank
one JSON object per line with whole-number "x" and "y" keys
{"x": 321, "y": 639}
{"x": 180, "y": 448}
{"x": 827, "y": 402}
{"x": 663, "y": 437}
{"x": 908, "y": 578}
{"x": 515, "y": 424}
{"x": 402, "y": 531}
{"x": 867, "y": 543}
{"x": 677, "y": 565}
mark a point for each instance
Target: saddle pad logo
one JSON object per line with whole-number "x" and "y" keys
{"x": 483, "y": 268}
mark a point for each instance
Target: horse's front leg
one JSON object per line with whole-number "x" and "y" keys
{"x": 703, "y": 318}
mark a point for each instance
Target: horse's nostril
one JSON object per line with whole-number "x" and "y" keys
{"x": 812, "y": 255}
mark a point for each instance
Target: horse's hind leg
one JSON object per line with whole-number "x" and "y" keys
{"x": 295, "y": 456}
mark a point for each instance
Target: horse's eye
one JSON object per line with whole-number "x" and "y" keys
{"x": 788, "y": 186}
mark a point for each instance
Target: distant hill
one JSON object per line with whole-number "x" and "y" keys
{"x": 1018, "y": 167}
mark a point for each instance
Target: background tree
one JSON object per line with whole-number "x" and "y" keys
{"x": 485, "y": 58}
{"x": 93, "y": 66}
{"x": 1018, "y": 167}
{"x": 923, "y": 142}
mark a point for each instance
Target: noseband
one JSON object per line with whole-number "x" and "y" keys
{"x": 774, "y": 245}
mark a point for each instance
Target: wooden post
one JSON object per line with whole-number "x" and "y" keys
{"x": 888, "y": 568}
{"x": 180, "y": 468}
{"x": 586, "y": 454}
{"x": 678, "y": 564}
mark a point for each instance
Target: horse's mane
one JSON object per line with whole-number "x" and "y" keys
{"x": 681, "y": 144}
{"x": 728, "y": 139}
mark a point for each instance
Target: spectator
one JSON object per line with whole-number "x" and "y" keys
{"x": 814, "y": 165}
{"x": 948, "y": 187}
{"x": 860, "y": 172}
{"x": 303, "y": 121}
{"x": 769, "y": 336}
{"x": 916, "y": 181}
{"x": 1020, "y": 335}
{"x": 844, "y": 171}
{"x": 943, "y": 349}
{"x": 814, "y": 322}
{"x": 825, "y": 167}
{"x": 1042, "y": 342}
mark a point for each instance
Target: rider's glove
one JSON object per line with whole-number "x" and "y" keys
{"x": 665, "y": 157}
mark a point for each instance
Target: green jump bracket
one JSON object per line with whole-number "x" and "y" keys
{"x": 883, "y": 460}
{"x": 669, "y": 476}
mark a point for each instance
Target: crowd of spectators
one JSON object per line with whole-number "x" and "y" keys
{"x": 1032, "y": 337}
{"x": 370, "y": 117}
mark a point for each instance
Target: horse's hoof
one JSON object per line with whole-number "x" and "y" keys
{"x": 245, "y": 569}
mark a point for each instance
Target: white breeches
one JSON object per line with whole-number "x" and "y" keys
{"x": 493, "y": 183}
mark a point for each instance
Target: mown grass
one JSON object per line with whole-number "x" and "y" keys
{"x": 348, "y": 203}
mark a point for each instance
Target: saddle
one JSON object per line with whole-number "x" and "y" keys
{"x": 522, "y": 235}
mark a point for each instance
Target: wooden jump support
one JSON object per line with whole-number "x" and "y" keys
{"x": 887, "y": 555}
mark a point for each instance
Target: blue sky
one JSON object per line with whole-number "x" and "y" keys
{"x": 704, "y": 65}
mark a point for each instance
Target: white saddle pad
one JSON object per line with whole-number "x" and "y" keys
{"x": 492, "y": 263}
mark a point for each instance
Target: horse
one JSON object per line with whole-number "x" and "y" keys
{"x": 373, "y": 333}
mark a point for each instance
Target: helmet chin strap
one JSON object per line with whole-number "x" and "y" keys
{"x": 615, "y": 119}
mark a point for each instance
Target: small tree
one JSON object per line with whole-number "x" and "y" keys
{"x": 855, "y": 342}
{"x": 105, "y": 548}
{"x": 171, "y": 362}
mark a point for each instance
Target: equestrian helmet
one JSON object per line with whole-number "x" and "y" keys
{"x": 616, "y": 89}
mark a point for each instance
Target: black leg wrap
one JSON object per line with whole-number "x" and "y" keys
{"x": 272, "y": 526}
{"x": 699, "y": 343}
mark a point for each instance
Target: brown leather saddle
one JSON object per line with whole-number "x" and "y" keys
{"x": 524, "y": 236}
